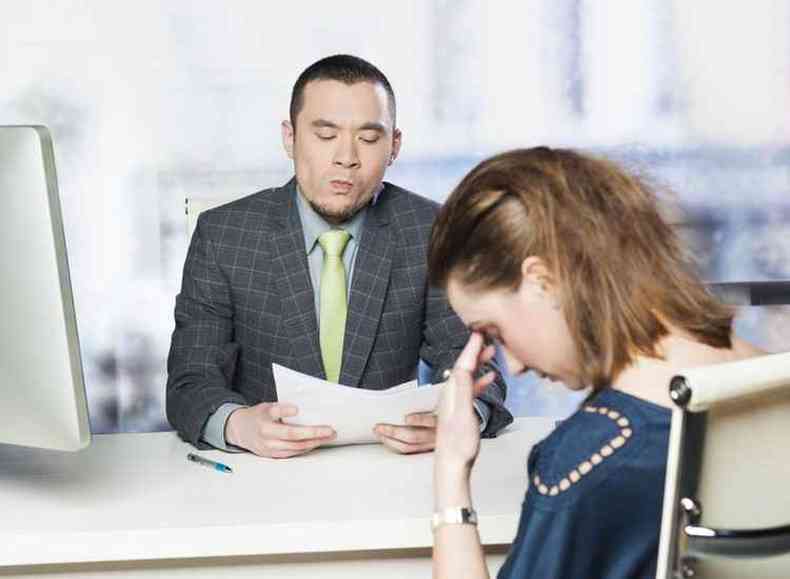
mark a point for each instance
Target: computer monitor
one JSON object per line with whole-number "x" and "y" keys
{"x": 42, "y": 391}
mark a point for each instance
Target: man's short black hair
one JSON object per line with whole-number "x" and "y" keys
{"x": 344, "y": 68}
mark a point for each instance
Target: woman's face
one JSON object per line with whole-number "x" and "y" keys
{"x": 527, "y": 323}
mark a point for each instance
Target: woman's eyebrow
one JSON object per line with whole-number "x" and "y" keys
{"x": 480, "y": 326}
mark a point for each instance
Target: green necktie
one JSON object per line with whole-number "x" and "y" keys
{"x": 333, "y": 301}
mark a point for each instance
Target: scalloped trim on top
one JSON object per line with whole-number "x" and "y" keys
{"x": 595, "y": 459}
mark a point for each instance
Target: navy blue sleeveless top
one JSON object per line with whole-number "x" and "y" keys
{"x": 593, "y": 505}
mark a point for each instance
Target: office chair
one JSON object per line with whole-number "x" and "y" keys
{"x": 194, "y": 206}
{"x": 727, "y": 492}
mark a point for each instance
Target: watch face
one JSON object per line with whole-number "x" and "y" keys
{"x": 454, "y": 516}
{"x": 469, "y": 516}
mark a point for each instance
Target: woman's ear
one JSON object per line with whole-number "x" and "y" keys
{"x": 537, "y": 279}
{"x": 535, "y": 272}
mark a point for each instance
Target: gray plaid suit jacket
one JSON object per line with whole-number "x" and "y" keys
{"x": 247, "y": 301}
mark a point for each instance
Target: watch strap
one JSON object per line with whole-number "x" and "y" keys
{"x": 454, "y": 516}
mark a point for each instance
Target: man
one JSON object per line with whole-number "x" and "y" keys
{"x": 325, "y": 275}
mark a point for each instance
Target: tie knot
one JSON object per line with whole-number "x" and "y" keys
{"x": 334, "y": 242}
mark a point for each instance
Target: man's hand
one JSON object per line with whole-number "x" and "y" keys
{"x": 418, "y": 435}
{"x": 260, "y": 430}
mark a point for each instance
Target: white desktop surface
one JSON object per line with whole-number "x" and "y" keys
{"x": 135, "y": 497}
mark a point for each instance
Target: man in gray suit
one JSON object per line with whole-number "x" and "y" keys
{"x": 325, "y": 275}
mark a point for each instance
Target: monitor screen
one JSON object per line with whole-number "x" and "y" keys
{"x": 42, "y": 392}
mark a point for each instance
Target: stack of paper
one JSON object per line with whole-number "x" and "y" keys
{"x": 352, "y": 412}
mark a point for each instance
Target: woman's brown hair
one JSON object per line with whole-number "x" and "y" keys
{"x": 620, "y": 268}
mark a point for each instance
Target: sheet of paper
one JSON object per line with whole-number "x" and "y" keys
{"x": 352, "y": 412}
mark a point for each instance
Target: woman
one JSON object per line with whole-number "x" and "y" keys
{"x": 564, "y": 261}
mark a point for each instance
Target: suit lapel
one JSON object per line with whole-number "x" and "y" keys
{"x": 293, "y": 282}
{"x": 368, "y": 291}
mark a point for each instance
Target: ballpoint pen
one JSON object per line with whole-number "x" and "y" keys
{"x": 208, "y": 463}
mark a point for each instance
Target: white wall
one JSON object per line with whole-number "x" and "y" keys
{"x": 153, "y": 101}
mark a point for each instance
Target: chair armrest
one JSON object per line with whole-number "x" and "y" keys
{"x": 744, "y": 543}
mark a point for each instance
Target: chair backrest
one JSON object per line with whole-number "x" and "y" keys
{"x": 194, "y": 206}
{"x": 727, "y": 494}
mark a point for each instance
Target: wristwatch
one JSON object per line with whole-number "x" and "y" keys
{"x": 454, "y": 516}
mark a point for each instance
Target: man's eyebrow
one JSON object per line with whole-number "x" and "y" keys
{"x": 373, "y": 126}
{"x": 369, "y": 126}
{"x": 318, "y": 123}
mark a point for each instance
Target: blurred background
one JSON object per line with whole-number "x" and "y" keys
{"x": 152, "y": 102}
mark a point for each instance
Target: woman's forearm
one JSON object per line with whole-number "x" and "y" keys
{"x": 456, "y": 548}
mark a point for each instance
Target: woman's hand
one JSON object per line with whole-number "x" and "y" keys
{"x": 457, "y": 551}
{"x": 458, "y": 430}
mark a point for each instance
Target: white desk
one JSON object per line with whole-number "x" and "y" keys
{"x": 132, "y": 506}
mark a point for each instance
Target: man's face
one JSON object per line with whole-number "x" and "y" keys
{"x": 343, "y": 142}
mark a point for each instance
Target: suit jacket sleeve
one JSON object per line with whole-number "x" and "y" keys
{"x": 444, "y": 337}
{"x": 203, "y": 354}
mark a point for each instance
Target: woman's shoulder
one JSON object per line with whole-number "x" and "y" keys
{"x": 595, "y": 493}
{"x": 611, "y": 437}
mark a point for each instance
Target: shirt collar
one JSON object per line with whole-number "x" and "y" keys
{"x": 313, "y": 225}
